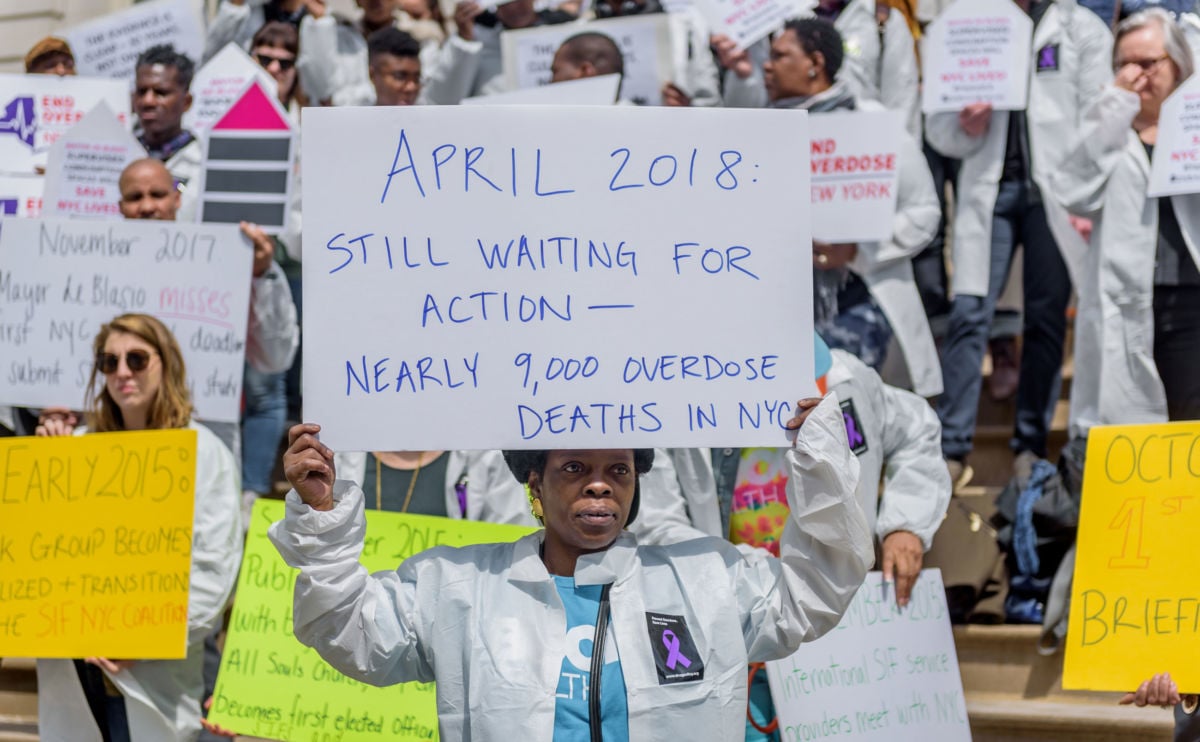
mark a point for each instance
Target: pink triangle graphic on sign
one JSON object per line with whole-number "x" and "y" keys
{"x": 254, "y": 111}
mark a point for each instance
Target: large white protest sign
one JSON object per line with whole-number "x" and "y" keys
{"x": 109, "y": 46}
{"x": 219, "y": 83}
{"x": 85, "y": 166}
{"x": 61, "y": 279}
{"x": 35, "y": 110}
{"x": 854, "y": 172}
{"x": 555, "y": 277}
{"x": 978, "y": 51}
{"x": 588, "y": 91}
{"x": 21, "y": 195}
{"x": 645, "y": 43}
{"x": 1175, "y": 166}
{"x": 884, "y": 673}
{"x": 746, "y": 21}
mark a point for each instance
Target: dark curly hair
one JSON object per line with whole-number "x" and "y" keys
{"x": 521, "y": 463}
{"x": 819, "y": 35}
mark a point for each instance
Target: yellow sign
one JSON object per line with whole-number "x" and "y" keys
{"x": 1135, "y": 601}
{"x": 96, "y": 544}
{"x": 272, "y": 686}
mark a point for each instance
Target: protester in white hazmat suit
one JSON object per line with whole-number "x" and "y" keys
{"x": 490, "y": 623}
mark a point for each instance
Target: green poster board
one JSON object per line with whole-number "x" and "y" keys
{"x": 272, "y": 686}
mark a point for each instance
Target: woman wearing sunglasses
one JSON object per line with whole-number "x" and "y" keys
{"x": 139, "y": 382}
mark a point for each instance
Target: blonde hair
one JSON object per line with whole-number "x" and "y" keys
{"x": 172, "y": 405}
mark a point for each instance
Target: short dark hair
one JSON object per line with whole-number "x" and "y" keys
{"x": 521, "y": 463}
{"x": 165, "y": 54}
{"x": 595, "y": 48}
{"x": 819, "y": 35}
{"x": 391, "y": 40}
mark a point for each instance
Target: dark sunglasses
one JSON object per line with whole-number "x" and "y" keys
{"x": 284, "y": 64}
{"x": 136, "y": 360}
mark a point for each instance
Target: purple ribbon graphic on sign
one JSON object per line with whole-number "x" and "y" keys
{"x": 671, "y": 642}
{"x": 852, "y": 433}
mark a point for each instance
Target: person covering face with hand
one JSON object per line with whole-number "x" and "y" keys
{"x": 1137, "y": 336}
{"x": 497, "y": 613}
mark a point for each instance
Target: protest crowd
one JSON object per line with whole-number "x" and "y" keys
{"x": 1022, "y": 246}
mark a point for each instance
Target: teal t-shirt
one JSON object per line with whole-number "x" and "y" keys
{"x": 582, "y": 604}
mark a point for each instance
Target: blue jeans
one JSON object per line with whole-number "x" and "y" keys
{"x": 1016, "y": 219}
{"x": 262, "y": 427}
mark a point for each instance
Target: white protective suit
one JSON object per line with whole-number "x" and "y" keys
{"x": 493, "y": 493}
{"x": 162, "y": 697}
{"x": 902, "y": 445}
{"x": 1104, "y": 178}
{"x": 236, "y": 23}
{"x": 486, "y": 623}
{"x": 882, "y": 69}
{"x": 1057, "y": 99}
{"x": 886, "y": 267}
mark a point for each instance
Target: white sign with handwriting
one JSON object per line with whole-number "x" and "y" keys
{"x": 61, "y": 279}
{"x": 885, "y": 673}
{"x": 555, "y": 276}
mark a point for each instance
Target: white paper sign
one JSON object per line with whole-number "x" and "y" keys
{"x": 882, "y": 674}
{"x": 219, "y": 83}
{"x": 35, "y": 110}
{"x": 746, "y": 21}
{"x": 109, "y": 46}
{"x": 855, "y": 166}
{"x": 85, "y": 167}
{"x": 61, "y": 279}
{"x": 645, "y": 43}
{"x": 589, "y": 91}
{"x": 508, "y": 277}
{"x": 977, "y": 51}
{"x": 21, "y": 195}
{"x": 1175, "y": 166}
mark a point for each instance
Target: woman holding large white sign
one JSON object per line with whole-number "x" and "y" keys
{"x": 138, "y": 382}
{"x": 503, "y": 628}
{"x": 1137, "y": 337}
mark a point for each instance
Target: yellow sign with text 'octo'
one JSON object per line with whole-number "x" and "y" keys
{"x": 95, "y": 544}
{"x": 1135, "y": 601}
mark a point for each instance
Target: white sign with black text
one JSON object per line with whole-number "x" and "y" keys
{"x": 61, "y": 279}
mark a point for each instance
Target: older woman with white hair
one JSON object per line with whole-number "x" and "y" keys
{"x": 1137, "y": 339}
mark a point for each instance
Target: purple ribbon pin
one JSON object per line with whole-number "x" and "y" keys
{"x": 852, "y": 433}
{"x": 671, "y": 642}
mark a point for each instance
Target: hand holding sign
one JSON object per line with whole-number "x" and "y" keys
{"x": 308, "y": 465}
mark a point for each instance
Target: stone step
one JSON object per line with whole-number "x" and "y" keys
{"x": 18, "y": 700}
{"x": 999, "y": 717}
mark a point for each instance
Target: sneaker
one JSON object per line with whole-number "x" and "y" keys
{"x": 960, "y": 473}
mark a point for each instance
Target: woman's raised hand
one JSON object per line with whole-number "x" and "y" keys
{"x": 308, "y": 465}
